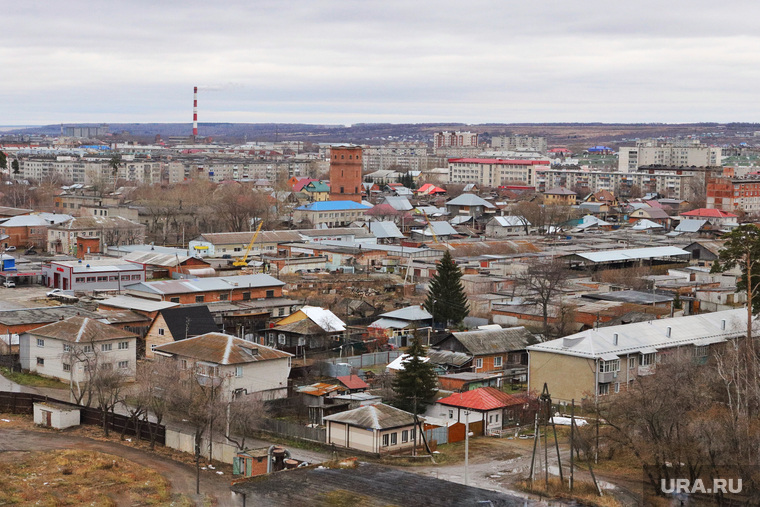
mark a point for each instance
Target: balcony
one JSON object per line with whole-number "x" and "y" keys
{"x": 645, "y": 370}
{"x": 608, "y": 377}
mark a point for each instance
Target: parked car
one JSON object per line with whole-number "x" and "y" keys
{"x": 54, "y": 292}
{"x": 10, "y": 249}
{"x": 9, "y": 283}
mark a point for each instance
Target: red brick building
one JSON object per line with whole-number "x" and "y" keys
{"x": 207, "y": 290}
{"x": 346, "y": 173}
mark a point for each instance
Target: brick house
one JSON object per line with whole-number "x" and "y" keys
{"x": 206, "y": 290}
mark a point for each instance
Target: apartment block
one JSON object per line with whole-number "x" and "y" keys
{"x": 519, "y": 143}
{"x": 441, "y": 139}
{"x": 733, "y": 194}
{"x": 668, "y": 183}
{"x": 488, "y": 172}
{"x": 678, "y": 153}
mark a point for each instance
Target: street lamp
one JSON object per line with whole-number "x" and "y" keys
{"x": 466, "y": 446}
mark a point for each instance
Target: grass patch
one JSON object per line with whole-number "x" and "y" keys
{"x": 583, "y": 492}
{"x": 72, "y": 477}
{"x": 31, "y": 379}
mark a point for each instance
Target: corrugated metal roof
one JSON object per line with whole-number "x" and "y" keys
{"x": 206, "y": 284}
{"x": 389, "y": 324}
{"x": 353, "y": 382}
{"x": 481, "y": 399}
{"x": 133, "y": 303}
{"x": 494, "y": 341}
{"x": 511, "y": 221}
{"x": 383, "y": 230}
{"x": 632, "y": 254}
{"x": 690, "y": 225}
{"x": 378, "y": 417}
{"x": 333, "y": 206}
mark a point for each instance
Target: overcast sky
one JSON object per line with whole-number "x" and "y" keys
{"x": 339, "y": 61}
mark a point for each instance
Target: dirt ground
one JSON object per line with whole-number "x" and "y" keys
{"x": 17, "y": 434}
{"x": 499, "y": 463}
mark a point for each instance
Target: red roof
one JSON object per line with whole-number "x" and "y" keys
{"x": 482, "y": 399}
{"x": 709, "y": 213}
{"x": 498, "y": 161}
{"x": 353, "y": 382}
{"x": 430, "y": 189}
{"x": 560, "y": 150}
{"x": 302, "y": 183}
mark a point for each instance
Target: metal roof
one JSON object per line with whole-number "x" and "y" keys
{"x": 650, "y": 336}
{"x": 384, "y": 230}
{"x": 631, "y": 254}
{"x": 645, "y": 224}
{"x": 691, "y": 225}
{"x": 398, "y": 203}
{"x": 511, "y": 221}
{"x": 409, "y": 313}
{"x": 469, "y": 200}
{"x": 42, "y": 315}
{"x": 81, "y": 330}
{"x": 384, "y": 323}
{"x": 481, "y": 399}
{"x": 206, "y": 284}
{"x": 492, "y": 341}
{"x": 377, "y": 417}
{"x": 133, "y": 303}
{"x": 333, "y": 206}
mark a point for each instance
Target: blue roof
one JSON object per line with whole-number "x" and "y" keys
{"x": 333, "y": 206}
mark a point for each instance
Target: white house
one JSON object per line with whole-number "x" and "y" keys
{"x": 378, "y": 429}
{"x": 249, "y": 368}
{"x": 66, "y": 349}
{"x": 499, "y": 227}
{"x": 484, "y": 404}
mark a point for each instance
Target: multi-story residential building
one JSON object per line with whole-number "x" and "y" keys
{"x": 678, "y": 153}
{"x": 519, "y": 143}
{"x": 486, "y": 172}
{"x": 346, "y": 173}
{"x": 733, "y": 194}
{"x": 441, "y": 139}
{"x": 606, "y": 360}
{"x": 69, "y": 349}
{"x": 90, "y": 170}
{"x": 668, "y": 183}
{"x": 406, "y": 156}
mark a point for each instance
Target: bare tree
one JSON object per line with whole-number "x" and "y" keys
{"x": 243, "y": 415}
{"x": 544, "y": 280}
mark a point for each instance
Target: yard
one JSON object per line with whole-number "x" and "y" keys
{"x": 31, "y": 379}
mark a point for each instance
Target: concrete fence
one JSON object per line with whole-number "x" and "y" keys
{"x": 217, "y": 448}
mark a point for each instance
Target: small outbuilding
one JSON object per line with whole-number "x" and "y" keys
{"x": 56, "y": 415}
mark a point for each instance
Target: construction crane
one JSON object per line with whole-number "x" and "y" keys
{"x": 432, "y": 231}
{"x": 243, "y": 261}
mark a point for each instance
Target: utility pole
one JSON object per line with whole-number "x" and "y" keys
{"x": 466, "y": 446}
{"x": 572, "y": 446}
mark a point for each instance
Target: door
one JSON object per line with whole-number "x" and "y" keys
{"x": 56, "y": 280}
{"x": 48, "y": 418}
{"x": 65, "y": 284}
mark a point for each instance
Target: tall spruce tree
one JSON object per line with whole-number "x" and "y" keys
{"x": 3, "y": 161}
{"x": 446, "y": 299}
{"x": 415, "y": 385}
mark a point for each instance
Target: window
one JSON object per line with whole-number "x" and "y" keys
{"x": 123, "y": 345}
{"x": 87, "y": 348}
{"x": 79, "y": 279}
{"x": 617, "y": 387}
{"x": 385, "y": 440}
{"x": 107, "y": 366}
{"x": 609, "y": 366}
{"x": 207, "y": 370}
{"x": 497, "y": 361}
{"x": 246, "y": 296}
{"x": 66, "y": 347}
{"x": 40, "y": 361}
{"x": 281, "y": 339}
{"x": 102, "y": 278}
{"x": 113, "y": 278}
{"x": 281, "y": 312}
{"x": 123, "y": 365}
{"x": 40, "y": 342}
{"x": 270, "y": 293}
{"x": 404, "y": 436}
{"x": 160, "y": 331}
{"x": 700, "y": 351}
{"x": 631, "y": 362}
{"x": 200, "y": 299}
{"x": 238, "y": 371}
{"x": 478, "y": 363}
{"x": 90, "y": 279}
{"x": 394, "y": 438}
{"x": 125, "y": 277}
{"x": 66, "y": 367}
{"x": 604, "y": 389}
{"x": 224, "y": 297}
{"x": 106, "y": 347}
{"x": 135, "y": 277}
{"x": 451, "y": 413}
{"x": 174, "y": 300}
{"x": 647, "y": 359}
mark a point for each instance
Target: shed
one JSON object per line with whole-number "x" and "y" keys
{"x": 56, "y": 415}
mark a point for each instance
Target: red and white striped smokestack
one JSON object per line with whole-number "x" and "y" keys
{"x": 195, "y": 111}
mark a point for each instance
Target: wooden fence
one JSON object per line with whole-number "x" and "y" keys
{"x": 293, "y": 430}
{"x": 23, "y": 403}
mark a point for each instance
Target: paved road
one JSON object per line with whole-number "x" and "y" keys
{"x": 180, "y": 476}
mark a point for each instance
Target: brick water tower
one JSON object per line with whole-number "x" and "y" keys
{"x": 345, "y": 173}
